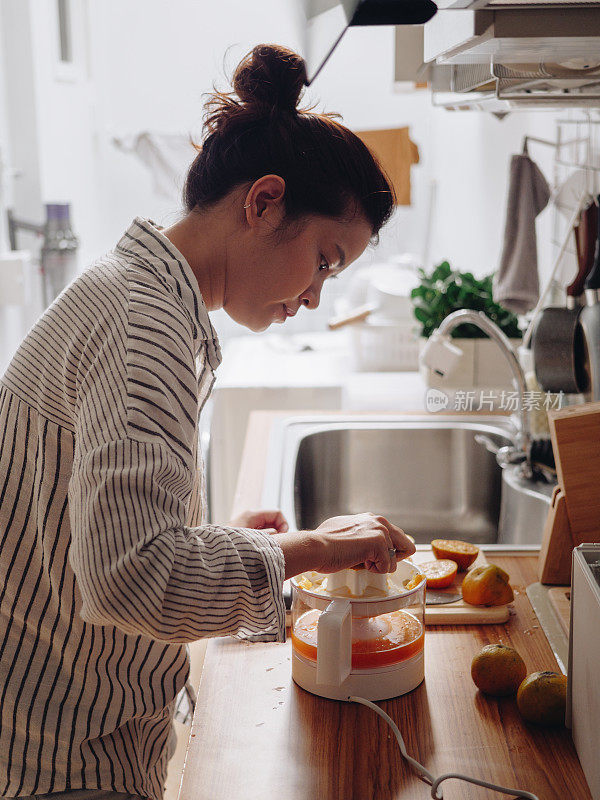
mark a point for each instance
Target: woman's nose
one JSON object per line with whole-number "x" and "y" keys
{"x": 311, "y": 297}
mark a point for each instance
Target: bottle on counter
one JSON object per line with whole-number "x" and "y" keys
{"x": 59, "y": 251}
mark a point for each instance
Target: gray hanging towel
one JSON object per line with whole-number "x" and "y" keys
{"x": 516, "y": 284}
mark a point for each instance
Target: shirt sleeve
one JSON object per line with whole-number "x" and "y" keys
{"x": 138, "y": 566}
{"x": 142, "y": 570}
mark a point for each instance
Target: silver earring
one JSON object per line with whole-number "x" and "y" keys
{"x": 247, "y": 205}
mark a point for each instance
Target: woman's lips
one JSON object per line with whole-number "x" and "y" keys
{"x": 284, "y": 314}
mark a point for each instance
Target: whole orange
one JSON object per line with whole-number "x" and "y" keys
{"x": 542, "y": 698}
{"x": 487, "y": 586}
{"x": 498, "y": 670}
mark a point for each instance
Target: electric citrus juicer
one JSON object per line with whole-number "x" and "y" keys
{"x": 356, "y": 632}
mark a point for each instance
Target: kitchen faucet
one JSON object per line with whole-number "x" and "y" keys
{"x": 441, "y": 356}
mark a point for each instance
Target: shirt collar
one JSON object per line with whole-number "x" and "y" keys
{"x": 144, "y": 240}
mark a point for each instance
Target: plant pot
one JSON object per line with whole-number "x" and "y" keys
{"x": 482, "y": 366}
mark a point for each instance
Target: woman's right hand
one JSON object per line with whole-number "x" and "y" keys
{"x": 343, "y": 542}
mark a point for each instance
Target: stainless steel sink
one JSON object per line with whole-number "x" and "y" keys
{"x": 427, "y": 474}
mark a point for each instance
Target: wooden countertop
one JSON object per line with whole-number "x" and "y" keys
{"x": 257, "y": 735}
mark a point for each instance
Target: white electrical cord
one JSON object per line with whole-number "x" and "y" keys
{"x": 427, "y": 776}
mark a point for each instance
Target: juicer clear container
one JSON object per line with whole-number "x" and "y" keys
{"x": 371, "y": 644}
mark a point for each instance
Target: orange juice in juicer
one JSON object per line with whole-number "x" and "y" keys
{"x": 359, "y": 633}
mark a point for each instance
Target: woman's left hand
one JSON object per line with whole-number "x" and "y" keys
{"x": 271, "y": 519}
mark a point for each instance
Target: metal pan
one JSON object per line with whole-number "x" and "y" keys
{"x": 589, "y": 321}
{"x": 557, "y": 339}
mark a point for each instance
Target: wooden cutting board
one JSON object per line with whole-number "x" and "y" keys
{"x": 460, "y": 613}
{"x": 575, "y": 433}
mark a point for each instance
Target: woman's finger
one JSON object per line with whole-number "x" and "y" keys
{"x": 385, "y": 560}
{"x": 259, "y": 520}
{"x": 400, "y": 542}
{"x": 404, "y": 546}
{"x": 273, "y": 518}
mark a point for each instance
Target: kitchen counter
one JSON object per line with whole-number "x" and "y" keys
{"x": 257, "y": 735}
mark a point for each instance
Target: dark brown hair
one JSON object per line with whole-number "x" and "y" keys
{"x": 258, "y": 130}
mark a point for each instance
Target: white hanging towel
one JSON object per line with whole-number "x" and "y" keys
{"x": 166, "y": 155}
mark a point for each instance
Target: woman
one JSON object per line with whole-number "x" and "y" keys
{"x": 108, "y": 568}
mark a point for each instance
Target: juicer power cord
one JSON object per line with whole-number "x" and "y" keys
{"x": 427, "y": 776}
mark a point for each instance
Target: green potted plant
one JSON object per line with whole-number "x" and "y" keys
{"x": 445, "y": 290}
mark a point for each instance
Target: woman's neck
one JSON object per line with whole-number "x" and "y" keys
{"x": 202, "y": 238}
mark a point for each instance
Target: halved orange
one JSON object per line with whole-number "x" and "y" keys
{"x": 463, "y": 553}
{"x": 439, "y": 574}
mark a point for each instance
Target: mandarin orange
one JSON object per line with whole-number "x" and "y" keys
{"x": 542, "y": 698}
{"x": 498, "y": 670}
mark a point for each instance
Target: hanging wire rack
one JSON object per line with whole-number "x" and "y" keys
{"x": 577, "y": 163}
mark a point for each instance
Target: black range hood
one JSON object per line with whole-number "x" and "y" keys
{"x": 393, "y": 12}
{"x": 339, "y": 15}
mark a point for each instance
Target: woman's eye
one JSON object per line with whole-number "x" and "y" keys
{"x": 324, "y": 266}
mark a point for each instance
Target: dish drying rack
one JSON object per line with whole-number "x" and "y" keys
{"x": 545, "y": 82}
{"x": 575, "y": 180}
{"x": 502, "y": 87}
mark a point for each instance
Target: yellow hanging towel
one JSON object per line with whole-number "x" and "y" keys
{"x": 396, "y": 153}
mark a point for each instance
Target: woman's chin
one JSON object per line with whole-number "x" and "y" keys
{"x": 254, "y": 325}
{"x": 271, "y": 323}
{"x": 257, "y": 325}
{"x": 276, "y": 319}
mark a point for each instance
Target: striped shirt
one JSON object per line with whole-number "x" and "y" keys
{"x": 107, "y": 568}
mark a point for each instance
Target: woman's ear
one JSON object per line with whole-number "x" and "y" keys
{"x": 265, "y": 200}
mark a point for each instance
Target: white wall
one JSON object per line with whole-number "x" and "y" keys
{"x": 5, "y": 157}
{"x": 152, "y": 60}
{"x": 20, "y": 146}
{"x": 69, "y": 167}
{"x": 21, "y": 94}
{"x": 139, "y": 65}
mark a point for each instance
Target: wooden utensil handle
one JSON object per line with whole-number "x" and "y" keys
{"x": 593, "y": 278}
{"x": 356, "y": 315}
{"x": 584, "y": 263}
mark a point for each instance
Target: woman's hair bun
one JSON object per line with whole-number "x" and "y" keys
{"x": 270, "y": 77}
{"x": 258, "y": 129}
